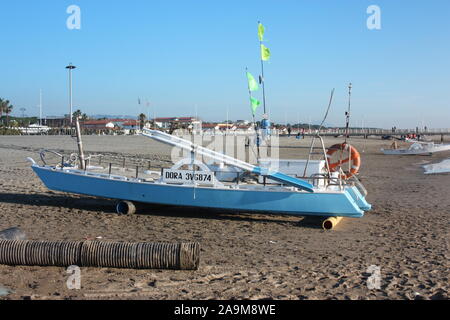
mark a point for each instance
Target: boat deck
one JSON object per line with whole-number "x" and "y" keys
{"x": 243, "y": 183}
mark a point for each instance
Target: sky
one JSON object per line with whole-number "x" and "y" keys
{"x": 188, "y": 58}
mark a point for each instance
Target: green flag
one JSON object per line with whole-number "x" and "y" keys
{"x": 265, "y": 53}
{"x": 261, "y": 32}
{"x": 252, "y": 84}
{"x": 255, "y": 104}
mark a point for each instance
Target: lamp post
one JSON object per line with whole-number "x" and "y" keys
{"x": 40, "y": 107}
{"x": 70, "y": 67}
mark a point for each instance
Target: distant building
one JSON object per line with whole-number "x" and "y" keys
{"x": 226, "y": 127}
{"x": 242, "y": 122}
{"x": 131, "y": 125}
{"x": 103, "y": 124}
{"x": 56, "y": 122}
{"x": 192, "y": 123}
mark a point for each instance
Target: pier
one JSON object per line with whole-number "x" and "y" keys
{"x": 380, "y": 132}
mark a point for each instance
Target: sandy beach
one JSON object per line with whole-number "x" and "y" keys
{"x": 243, "y": 255}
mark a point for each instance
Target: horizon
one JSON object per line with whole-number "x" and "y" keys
{"x": 189, "y": 59}
{"x": 98, "y": 117}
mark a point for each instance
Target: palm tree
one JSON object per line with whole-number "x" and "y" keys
{"x": 8, "y": 110}
{"x": 142, "y": 118}
{"x": 5, "y": 107}
{"x": 1, "y": 109}
{"x": 76, "y": 114}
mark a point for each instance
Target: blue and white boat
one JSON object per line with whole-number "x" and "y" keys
{"x": 318, "y": 194}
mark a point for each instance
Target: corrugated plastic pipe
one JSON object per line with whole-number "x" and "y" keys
{"x": 179, "y": 256}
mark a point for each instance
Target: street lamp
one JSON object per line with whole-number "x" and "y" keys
{"x": 70, "y": 67}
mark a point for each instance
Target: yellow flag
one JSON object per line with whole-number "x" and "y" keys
{"x": 265, "y": 53}
{"x": 261, "y": 32}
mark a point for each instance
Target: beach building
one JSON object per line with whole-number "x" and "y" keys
{"x": 215, "y": 128}
{"x": 106, "y": 124}
{"x": 193, "y": 124}
{"x": 56, "y": 121}
{"x": 167, "y": 122}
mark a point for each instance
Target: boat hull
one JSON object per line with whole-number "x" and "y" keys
{"x": 419, "y": 151}
{"x": 328, "y": 204}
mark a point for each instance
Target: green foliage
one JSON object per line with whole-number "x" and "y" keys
{"x": 9, "y": 132}
{"x": 142, "y": 120}
{"x": 5, "y": 108}
{"x": 78, "y": 114}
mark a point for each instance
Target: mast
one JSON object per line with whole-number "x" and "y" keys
{"x": 80, "y": 144}
{"x": 226, "y": 128}
{"x": 347, "y": 114}
{"x": 147, "y": 104}
{"x": 70, "y": 67}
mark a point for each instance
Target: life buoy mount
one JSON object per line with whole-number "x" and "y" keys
{"x": 353, "y": 156}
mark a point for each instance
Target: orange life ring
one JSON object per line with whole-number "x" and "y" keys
{"x": 355, "y": 158}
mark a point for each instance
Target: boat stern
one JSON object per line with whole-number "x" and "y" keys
{"x": 360, "y": 200}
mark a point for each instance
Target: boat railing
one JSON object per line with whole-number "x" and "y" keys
{"x": 138, "y": 168}
{"x": 124, "y": 161}
{"x": 72, "y": 160}
{"x": 359, "y": 185}
{"x": 63, "y": 161}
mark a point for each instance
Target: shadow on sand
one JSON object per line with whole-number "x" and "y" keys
{"x": 107, "y": 206}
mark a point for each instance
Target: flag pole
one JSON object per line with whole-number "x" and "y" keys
{"x": 147, "y": 104}
{"x": 250, "y": 97}
{"x": 263, "y": 86}
{"x": 262, "y": 74}
{"x": 253, "y": 114}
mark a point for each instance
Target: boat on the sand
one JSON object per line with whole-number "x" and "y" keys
{"x": 192, "y": 183}
{"x": 418, "y": 148}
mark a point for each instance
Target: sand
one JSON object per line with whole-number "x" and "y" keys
{"x": 243, "y": 256}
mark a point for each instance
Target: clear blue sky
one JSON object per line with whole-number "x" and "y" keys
{"x": 185, "y": 56}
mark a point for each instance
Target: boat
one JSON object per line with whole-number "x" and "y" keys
{"x": 441, "y": 167}
{"x": 191, "y": 183}
{"x": 34, "y": 129}
{"x": 418, "y": 148}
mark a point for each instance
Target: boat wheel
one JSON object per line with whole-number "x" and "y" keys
{"x": 125, "y": 207}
